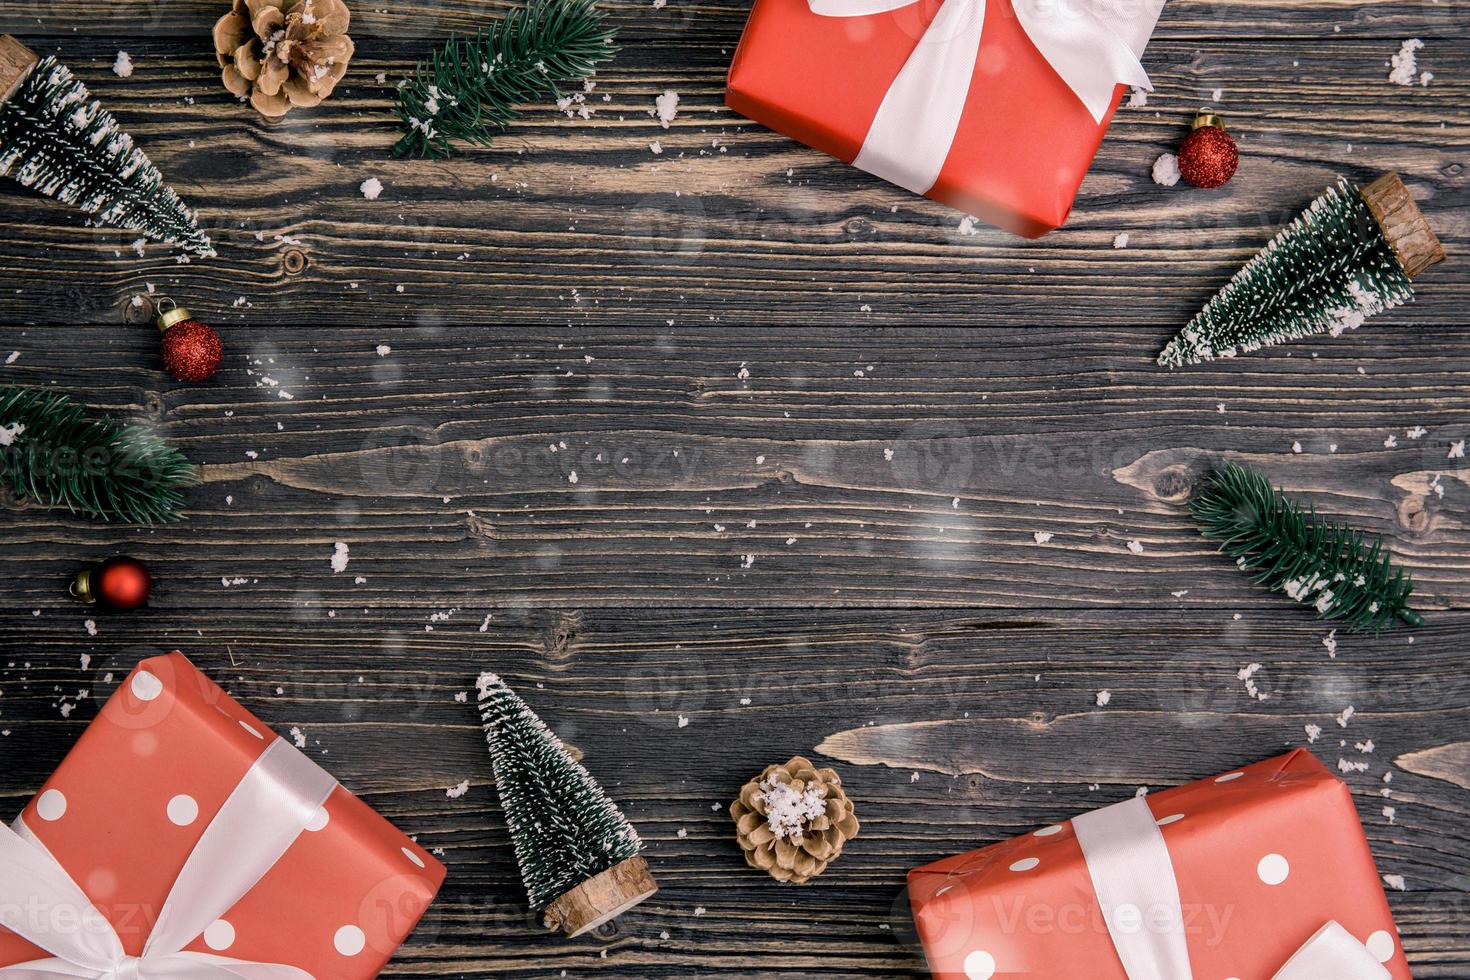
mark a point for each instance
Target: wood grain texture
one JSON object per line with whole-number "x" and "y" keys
{"x": 816, "y": 539}
{"x": 735, "y": 467}
{"x": 577, "y": 221}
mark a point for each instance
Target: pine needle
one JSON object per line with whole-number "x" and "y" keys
{"x": 1326, "y": 272}
{"x": 474, "y": 86}
{"x": 55, "y": 139}
{"x": 1301, "y": 554}
{"x": 53, "y": 454}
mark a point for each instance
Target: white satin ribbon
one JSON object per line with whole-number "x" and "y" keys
{"x": 919, "y": 117}
{"x": 1134, "y": 879}
{"x": 39, "y": 901}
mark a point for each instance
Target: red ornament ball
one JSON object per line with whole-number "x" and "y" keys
{"x": 1208, "y": 156}
{"x": 191, "y": 351}
{"x": 119, "y": 583}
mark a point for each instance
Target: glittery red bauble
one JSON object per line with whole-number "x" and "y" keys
{"x": 191, "y": 351}
{"x": 120, "y": 583}
{"x": 1208, "y": 157}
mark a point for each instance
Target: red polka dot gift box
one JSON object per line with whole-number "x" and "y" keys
{"x": 181, "y": 838}
{"x": 1262, "y": 873}
{"x": 994, "y": 107}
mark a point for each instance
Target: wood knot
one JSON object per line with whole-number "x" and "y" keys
{"x": 563, "y": 633}
{"x": 294, "y": 261}
{"x": 1174, "y": 483}
{"x": 1414, "y": 514}
{"x": 858, "y": 227}
{"x": 138, "y": 310}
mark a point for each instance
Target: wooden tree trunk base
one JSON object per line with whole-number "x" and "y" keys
{"x": 16, "y": 62}
{"x": 601, "y": 898}
{"x": 1403, "y": 224}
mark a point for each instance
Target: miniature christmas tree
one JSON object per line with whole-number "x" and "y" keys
{"x": 472, "y": 88}
{"x": 1350, "y": 255}
{"x": 1311, "y": 559}
{"x": 56, "y": 140}
{"x": 578, "y": 854}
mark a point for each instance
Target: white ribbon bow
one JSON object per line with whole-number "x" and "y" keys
{"x": 1134, "y": 880}
{"x": 919, "y": 117}
{"x": 278, "y": 797}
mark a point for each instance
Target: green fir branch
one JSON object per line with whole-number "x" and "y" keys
{"x": 57, "y": 140}
{"x": 51, "y": 452}
{"x": 1313, "y": 560}
{"x": 1326, "y": 272}
{"x": 473, "y": 87}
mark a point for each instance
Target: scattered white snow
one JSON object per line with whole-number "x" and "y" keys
{"x": 1135, "y": 546}
{"x": 1120, "y": 240}
{"x": 339, "y": 556}
{"x": 1166, "y": 170}
{"x": 1406, "y": 62}
{"x": 789, "y": 813}
{"x": 1103, "y": 698}
{"x": 371, "y": 188}
{"x": 666, "y": 107}
{"x": 384, "y": 350}
{"x": 123, "y": 66}
{"x": 1042, "y": 537}
{"x": 455, "y": 792}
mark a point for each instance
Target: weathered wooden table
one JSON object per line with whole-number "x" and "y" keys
{"x": 815, "y": 429}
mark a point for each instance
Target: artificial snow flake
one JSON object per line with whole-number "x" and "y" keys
{"x": 1166, "y": 170}
{"x": 1103, "y": 698}
{"x": 1120, "y": 240}
{"x": 339, "y": 556}
{"x": 123, "y": 65}
{"x": 666, "y": 107}
{"x": 1042, "y": 537}
{"x": 455, "y": 792}
{"x": 789, "y": 811}
{"x": 371, "y": 188}
{"x": 1405, "y": 63}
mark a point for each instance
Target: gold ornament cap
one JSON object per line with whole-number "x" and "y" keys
{"x": 1207, "y": 117}
{"x": 174, "y": 314}
{"x": 81, "y": 587}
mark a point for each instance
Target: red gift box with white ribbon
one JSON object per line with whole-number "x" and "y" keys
{"x": 995, "y": 107}
{"x": 180, "y": 838}
{"x": 1262, "y": 873}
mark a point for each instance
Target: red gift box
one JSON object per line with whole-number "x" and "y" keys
{"x": 131, "y": 802}
{"x": 821, "y": 71}
{"x": 1263, "y": 859}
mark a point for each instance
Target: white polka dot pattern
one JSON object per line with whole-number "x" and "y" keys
{"x": 183, "y": 810}
{"x": 1273, "y": 869}
{"x": 52, "y": 805}
{"x": 220, "y": 935}
{"x": 146, "y": 686}
{"x": 349, "y": 940}
{"x": 1380, "y": 944}
{"x": 979, "y": 965}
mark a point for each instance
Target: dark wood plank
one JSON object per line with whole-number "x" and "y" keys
{"x": 736, "y": 467}
{"x": 951, "y": 729}
{"x": 578, "y": 222}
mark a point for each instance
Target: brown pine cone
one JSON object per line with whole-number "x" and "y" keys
{"x": 792, "y": 820}
{"x": 283, "y": 53}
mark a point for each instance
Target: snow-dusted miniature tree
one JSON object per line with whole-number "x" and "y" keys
{"x": 579, "y": 856}
{"x": 1350, "y": 255}
{"x": 55, "y": 139}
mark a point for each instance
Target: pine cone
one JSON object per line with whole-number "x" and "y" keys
{"x": 283, "y": 53}
{"x": 792, "y": 820}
